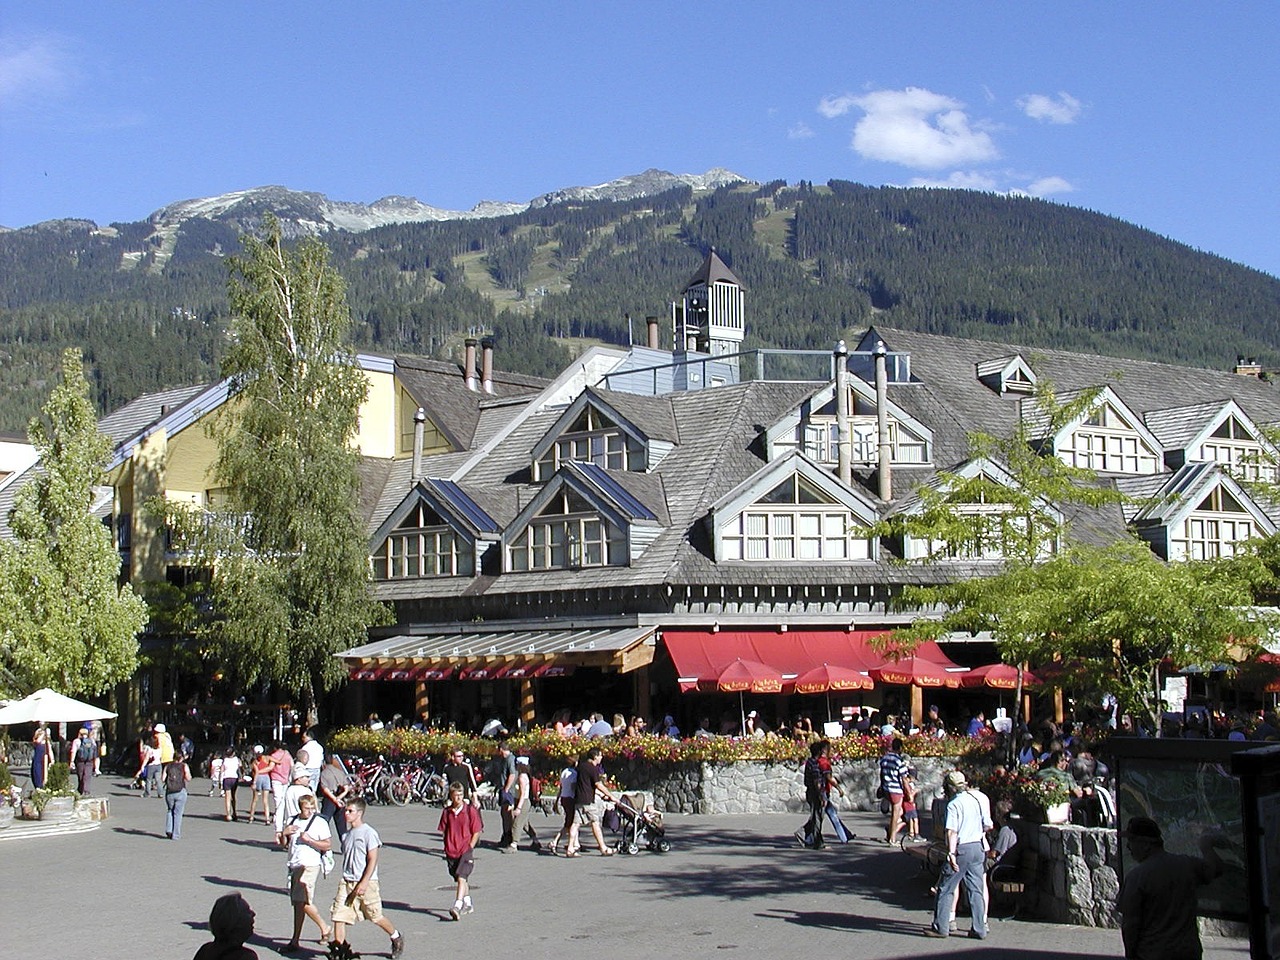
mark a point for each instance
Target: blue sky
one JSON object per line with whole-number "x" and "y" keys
{"x": 1162, "y": 114}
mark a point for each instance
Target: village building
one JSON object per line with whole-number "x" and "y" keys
{"x": 635, "y": 526}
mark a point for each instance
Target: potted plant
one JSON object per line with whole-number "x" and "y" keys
{"x": 56, "y": 800}
{"x": 10, "y": 796}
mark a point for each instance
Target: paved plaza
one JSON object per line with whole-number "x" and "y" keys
{"x": 730, "y": 886}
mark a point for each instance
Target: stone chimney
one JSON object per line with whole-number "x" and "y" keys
{"x": 652, "y": 324}
{"x": 469, "y": 363}
{"x": 486, "y": 364}
{"x": 1248, "y": 367}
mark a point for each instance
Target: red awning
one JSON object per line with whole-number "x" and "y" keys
{"x": 701, "y": 656}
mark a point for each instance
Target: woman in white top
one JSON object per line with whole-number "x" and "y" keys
{"x": 230, "y": 780}
{"x": 565, "y": 802}
{"x": 309, "y": 840}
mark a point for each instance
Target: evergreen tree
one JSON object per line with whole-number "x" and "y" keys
{"x": 65, "y": 620}
{"x": 291, "y": 584}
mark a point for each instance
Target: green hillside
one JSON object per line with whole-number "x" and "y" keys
{"x": 150, "y": 312}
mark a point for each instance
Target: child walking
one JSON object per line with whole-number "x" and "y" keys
{"x": 460, "y": 826}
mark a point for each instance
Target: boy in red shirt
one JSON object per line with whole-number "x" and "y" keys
{"x": 460, "y": 826}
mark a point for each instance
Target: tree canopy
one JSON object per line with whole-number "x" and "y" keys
{"x": 289, "y": 559}
{"x": 65, "y": 620}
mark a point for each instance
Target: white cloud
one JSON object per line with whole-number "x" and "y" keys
{"x": 959, "y": 180}
{"x": 34, "y": 70}
{"x": 831, "y": 107}
{"x": 1047, "y": 186}
{"x": 1065, "y": 109}
{"x": 913, "y": 127}
{"x": 800, "y": 131}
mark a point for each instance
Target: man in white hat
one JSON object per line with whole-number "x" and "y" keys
{"x": 967, "y": 821}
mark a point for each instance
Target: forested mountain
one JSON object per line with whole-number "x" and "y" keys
{"x": 149, "y": 307}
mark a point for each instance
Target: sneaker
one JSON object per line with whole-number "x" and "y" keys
{"x": 975, "y": 935}
{"x": 935, "y": 933}
{"x": 468, "y": 908}
{"x": 509, "y": 848}
{"x": 397, "y": 946}
{"x": 799, "y": 835}
{"x": 456, "y": 910}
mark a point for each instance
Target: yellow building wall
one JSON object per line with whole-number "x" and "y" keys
{"x": 377, "y": 426}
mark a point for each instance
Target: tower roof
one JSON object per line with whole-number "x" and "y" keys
{"x": 712, "y": 269}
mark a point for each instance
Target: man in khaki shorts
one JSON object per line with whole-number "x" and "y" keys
{"x": 358, "y": 897}
{"x": 309, "y": 840}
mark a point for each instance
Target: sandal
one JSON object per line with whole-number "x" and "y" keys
{"x": 326, "y": 935}
{"x": 606, "y": 852}
{"x": 572, "y": 853}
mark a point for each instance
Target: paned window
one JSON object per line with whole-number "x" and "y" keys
{"x": 423, "y": 545}
{"x": 1106, "y": 442}
{"x": 793, "y": 522}
{"x": 592, "y": 438}
{"x": 568, "y": 534}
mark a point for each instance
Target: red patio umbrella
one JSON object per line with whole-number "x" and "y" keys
{"x": 826, "y": 678}
{"x": 748, "y": 676}
{"x": 916, "y": 671}
{"x": 999, "y": 676}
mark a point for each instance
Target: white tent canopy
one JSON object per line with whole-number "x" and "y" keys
{"x": 46, "y": 706}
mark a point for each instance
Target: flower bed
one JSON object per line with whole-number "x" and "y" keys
{"x": 548, "y": 750}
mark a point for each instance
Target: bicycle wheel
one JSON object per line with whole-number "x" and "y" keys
{"x": 398, "y": 790}
{"x": 436, "y": 788}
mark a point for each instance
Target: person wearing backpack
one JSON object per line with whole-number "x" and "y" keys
{"x": 176, "y": 777}
{"x": 84, "y": 755}
{"x": 815, "y": 797}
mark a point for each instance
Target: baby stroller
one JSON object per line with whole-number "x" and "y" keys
{"x": 637, "y": 826}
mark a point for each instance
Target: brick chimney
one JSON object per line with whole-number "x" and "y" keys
{"x": 1248, "y": 368}
{"x": 652, "y": 324}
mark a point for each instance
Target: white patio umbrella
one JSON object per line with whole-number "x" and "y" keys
{"x": 46, "y": 706}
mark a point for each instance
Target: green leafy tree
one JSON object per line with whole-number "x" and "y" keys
{"x": 290, "y": 571}
{"x": 65, "y": 620}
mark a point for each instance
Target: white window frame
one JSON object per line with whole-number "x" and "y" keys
{"x": 414, "y": 545}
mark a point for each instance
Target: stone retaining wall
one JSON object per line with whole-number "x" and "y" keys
{"x": 759, "y": 787}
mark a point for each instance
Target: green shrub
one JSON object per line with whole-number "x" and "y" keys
{"x": 6, "y": 778}
{"x": 59, "y": 778}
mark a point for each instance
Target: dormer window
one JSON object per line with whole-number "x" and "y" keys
{"x": 423, "y": 545}
{"x": 567, "y": 533}
{"x": 1237, "y": 449}
{"x": 815, "y": 432}
{"x": 1008, "y": 375}
{"x": 592, "y": 438}
{"x": 1108, "y": 441}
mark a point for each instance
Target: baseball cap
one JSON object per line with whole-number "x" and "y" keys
{"x": 752, "y": 714}
{"x": 1142, "y": 828}
{"x": 955, "y": 779}
{"x": 159, "y": 728}
{"x": 257, "y": 748}
{"x": 522, "y": 761}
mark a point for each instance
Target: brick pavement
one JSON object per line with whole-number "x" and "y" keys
{"x": 730, "y": 886}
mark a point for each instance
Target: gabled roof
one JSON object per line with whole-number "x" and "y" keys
{"x": 596, "y": 486}
{"x": 441, "y": 390}
{"x": 999, "y": 372}
{"x": 142, "y": 412}
{"x": 825, "y": 394}
{"x": 1185, "y": 490}
{"x": 775, "y": 471}
{"x": 1038, "y": 422}
{"x": 448, "y": 500}
{"x": 621, "y": 408}
{"x": 981, "y": 466}
{"x": 1181, "y": 428}
{"x": 713, "y": 270}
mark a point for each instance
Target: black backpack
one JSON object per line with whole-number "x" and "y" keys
{"x": 175, "y": 777}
